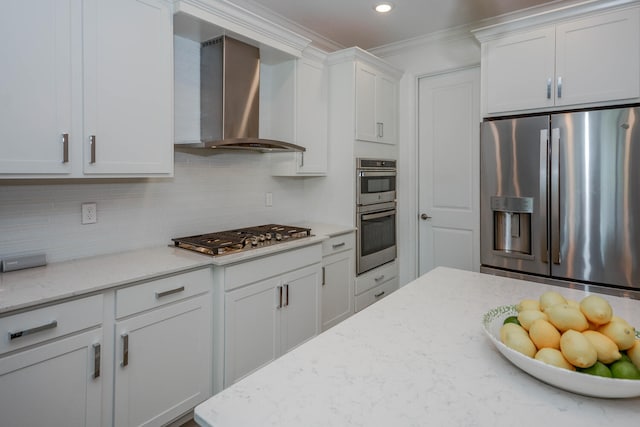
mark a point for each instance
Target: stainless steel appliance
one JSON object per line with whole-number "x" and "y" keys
{"x": 560, "y": 196}
{"x": 375, "y": 213}
{"x": 375, "y": 181}
{"x": 242, "y": 239}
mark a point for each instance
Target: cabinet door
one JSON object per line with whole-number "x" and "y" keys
{"x": 53, "y": 384}
{"x": 366, "y": 128}
{"x": 35, "y": 86}
{"x": 128, "y": 66}
{"x": 597, "y": 58}
{"x": 300, "y": 315}
{"x": 337, "y": 288}
{"x": 311, "y": 119}
{"x": 519, "y": 71}
{"x": 251, "y": 328}
{"x": 386, "y": 107}
{"x": 167, "y": 367}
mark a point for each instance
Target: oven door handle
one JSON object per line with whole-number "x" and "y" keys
{"x": 367, "y": 217}
{"x": 377, "y": 173}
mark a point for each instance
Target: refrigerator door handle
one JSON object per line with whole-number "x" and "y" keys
{"x": 555, "y": 196}
{"x": 544, "y": 248}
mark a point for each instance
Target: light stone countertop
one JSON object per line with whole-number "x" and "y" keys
{"x": 416, "y": 358}
{"x": 29, "y": 288}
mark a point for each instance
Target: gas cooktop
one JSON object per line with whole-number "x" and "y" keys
{"x": 242, "y": 239}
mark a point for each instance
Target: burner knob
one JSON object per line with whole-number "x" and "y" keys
{"x": 278, "y": 236}
{"x": 267, "y": 236}
{"x": 262, "y": 237}
{"x": 254, "y": 241}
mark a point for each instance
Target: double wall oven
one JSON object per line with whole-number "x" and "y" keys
{"x": 375, "y": 213}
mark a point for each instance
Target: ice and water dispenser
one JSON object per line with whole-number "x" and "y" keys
{"x": 512, "y": 224}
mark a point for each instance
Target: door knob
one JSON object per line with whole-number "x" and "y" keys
{"x": 425, "y": 216}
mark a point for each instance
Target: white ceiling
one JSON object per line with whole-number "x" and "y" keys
{"x": 347, "y": 23}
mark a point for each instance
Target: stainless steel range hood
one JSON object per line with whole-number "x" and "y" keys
{"x": 229, "y": 99}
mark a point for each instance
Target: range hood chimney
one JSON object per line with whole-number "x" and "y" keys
{"x": 229, "y": 99}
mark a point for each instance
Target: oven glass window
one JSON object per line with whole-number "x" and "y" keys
{"x": 377, "y": 234}
{"x": 378, "y": 184}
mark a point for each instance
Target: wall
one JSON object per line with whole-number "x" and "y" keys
{"x": 435, "y": 54}
{"x": 211, "y": 193}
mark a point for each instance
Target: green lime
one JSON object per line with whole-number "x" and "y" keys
{"x": 624, "y": 369}
{"x": 624, "y": 356}
{"x": 511, "y": 319}
{"x": 599, "y": 369}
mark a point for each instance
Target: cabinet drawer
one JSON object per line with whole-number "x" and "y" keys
{"x": 162, "y": 291}
{"x": 376, "y": 277}
{"x": 339, "y": 243}
{"x": 247, "y": 272}
{"x": 35, "y": 326}
{"x": 376, "y": 294}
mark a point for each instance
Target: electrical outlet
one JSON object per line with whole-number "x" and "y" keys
{"x": 268, "y": 199}
{"x": 89, "y": 213}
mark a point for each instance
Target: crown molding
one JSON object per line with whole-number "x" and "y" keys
{"x": 196, "y": 19}
{"x": 358, "y": 54}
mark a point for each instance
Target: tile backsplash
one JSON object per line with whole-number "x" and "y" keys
{"x": 207, "y": 194}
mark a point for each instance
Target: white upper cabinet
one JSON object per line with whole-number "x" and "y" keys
{"x": 35, "y": 112}
{"x": 87, "y": 88}
{"x": 300, "y": 88}
{"x": 594, "y": 59}
{"x": 376, "y": 105}
{"x": 128, "y": 63}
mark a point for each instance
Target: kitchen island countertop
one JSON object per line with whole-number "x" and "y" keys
{"x": 417, "y": 358}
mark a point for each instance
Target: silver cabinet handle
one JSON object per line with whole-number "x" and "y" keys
{"x": 169, "y": 292}
{"x": 323, "y": 276}
{"x": 286, "y": 291}
{"x": 65, "y": 148}
{"x": 125, "y": 350}
{"x": 18, "y": 334}
{"x": 280, "y": 296}
{"x": 379, "y": 294}
{"x": 559, "y": 87}
{"x": 302, "y": 159}
{"x": 548, "y": 88}
{"x": 338, "y": 245}
{"x": 92, "y": 142}
{"x": 96, "y": 360}
{"x": 380, "y": 126}
{"x": 544, "y": 158}
{"x": 379, "y": 278}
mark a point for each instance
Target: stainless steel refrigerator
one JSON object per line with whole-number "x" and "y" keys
{"x": 560, "y": 196}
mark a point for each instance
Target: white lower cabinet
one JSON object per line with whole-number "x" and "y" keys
{"x": 266, "y": 318}
{"x": 162, "y": 349}
{"x": 376, "y": 284}
{"x": 338, "y": 271}
{"x": 50, "y": 365}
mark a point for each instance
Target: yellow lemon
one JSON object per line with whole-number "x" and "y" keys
{"x": 508, "y": 328}
{"x": 554, "y": 357}
{"x": 573, "y": 303}
{"x": 551, "y": 298}
{"x": 607, "y": 350}
{"x": 577, "y": 349}
{"x": 634, "y": 353}
{"x": 527, "y": 317}
{"x": 519, "y": 340}
{"x": 528, "y": 304}
{"x": 596, "y": 309}
{"x": 620, "y": 333}
{"x": 564, "y": 317}
{"x": 544, "y": 334}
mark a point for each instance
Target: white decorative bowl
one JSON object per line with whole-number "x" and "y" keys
{"x": 576, "y": 382}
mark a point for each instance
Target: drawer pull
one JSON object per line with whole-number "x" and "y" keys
{"x": 286, "y": 289}
{"x": 323, "y": 276}
{"x": 50, "y": 325}
{"x": 280, "y": 297}
{"x": 338, "y": 245}
{"x": 125, "y": 350}
{"x": 96, "y": 360}
{"x": 379, "y": 294}
{"x": 379, "y": 278}
{"x": 169, "y": 292}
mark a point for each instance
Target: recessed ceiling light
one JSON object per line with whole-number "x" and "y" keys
{"x": 383, "y": 7}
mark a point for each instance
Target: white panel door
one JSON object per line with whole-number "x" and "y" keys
{"x": 35, "y": 86}
{"x": 300, "y": 317}
{"x": 366, "y": 128}
{"x": 449, "y": 181}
